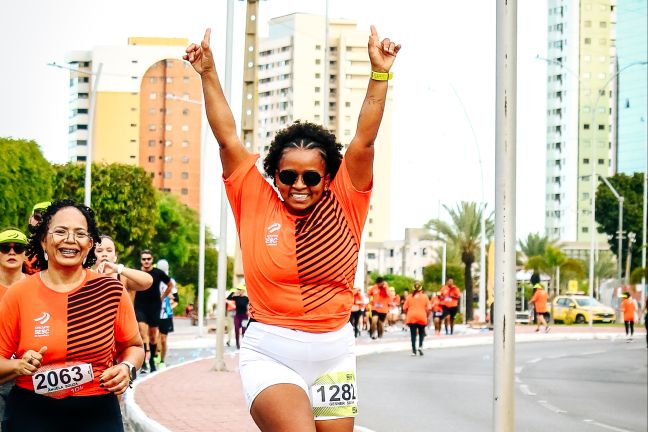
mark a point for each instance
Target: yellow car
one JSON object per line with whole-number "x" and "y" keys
{"x": 576, "y": 309}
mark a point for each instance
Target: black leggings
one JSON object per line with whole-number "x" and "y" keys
{"x": 629, "y": 326}
{"x": 355, "y": 319}
{"x": 28, "y": 411}
{"x": 420, "y": 329}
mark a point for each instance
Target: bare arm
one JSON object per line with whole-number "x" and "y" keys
{"x": 360, "y": 154}
{"x": 219, "y": 114}
{"x": 136, "y": 280}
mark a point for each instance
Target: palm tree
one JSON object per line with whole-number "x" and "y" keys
{"x": 464, "y": 232}
{"x": 534, "y": 246}
{"x": 554, "y": 262}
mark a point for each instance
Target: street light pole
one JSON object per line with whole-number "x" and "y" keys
{"x": 620, "y": 232}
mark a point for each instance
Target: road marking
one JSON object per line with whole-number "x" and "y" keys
{"x": 593, "y": 353}
{"x": 604, "y": 426}
{"x": 535, "y": 360}
{"x": 525, "y": 389}
{"x": 361, "y": 429}
{"x": 550, "y": 407}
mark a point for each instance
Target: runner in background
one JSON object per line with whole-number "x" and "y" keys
{"x": 539, "y": 300}
{"x": 36, "y": 216}
{"x": 241, "y": 305}
{"x": 417, "y": 307}
{"x": 12, "y": 256}
{"x": 394, "y": 307}
{"x": 379, "y": 299}
{"x": 358, "y": 310}
{"x": 72, "y": 331}
{"x": 628, "y": 307}
{"x": 298, "y": 350}
{"x": 166, "y": 314}
{"x": 132, "y": 279}
{"x": 437, "y": 312}
{"x": 450, "y": 295}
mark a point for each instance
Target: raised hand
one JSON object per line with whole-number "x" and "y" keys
{"x": 200, "y": 56}
{"x": 381, "y": 53}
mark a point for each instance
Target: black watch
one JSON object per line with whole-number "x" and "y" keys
{"x": 132, "y": 370}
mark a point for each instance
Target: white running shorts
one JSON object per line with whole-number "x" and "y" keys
{"x": 322, "y": 364}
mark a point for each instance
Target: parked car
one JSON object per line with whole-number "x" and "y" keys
{"x": 576, "y": 309}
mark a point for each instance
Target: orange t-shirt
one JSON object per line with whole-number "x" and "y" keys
{"x": 394, "y": 301}
{"x": 3, "y": 291}
{"x": 436, "y": 304}
{"x": 359, "y": 301}
{"x": 417, "y": 307}
{"x": 539, "y": 300}
{"x": 450, "y": 295}
{"x": 379, "y": 299}
{"x": 299, "y": 270}
{"x": 628, "y": 308}
{"x": 82, "y": 325}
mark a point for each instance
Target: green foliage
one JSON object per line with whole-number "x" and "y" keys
{"x": 607, "y": 212}
{"x": 432, "y": 276}
{"x": 635, "y": 276}
{"x": 465, "y": 233}
{"x": 535, "y": 244}
{"x": 186, "y": 295}
{"x": 25, "y": 179}
{"x": 177, "y": 228}
{"x": 123, "y": 200}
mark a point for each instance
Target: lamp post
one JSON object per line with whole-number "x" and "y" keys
{"x": 620, "y": 232}
{"x": 631, "y": 239}
{"x": 87, "y": 182}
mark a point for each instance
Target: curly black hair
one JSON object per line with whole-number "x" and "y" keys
{"x": 35, "y": 249}
{"x": 304, "y": 135}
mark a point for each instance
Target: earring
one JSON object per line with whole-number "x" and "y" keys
{"x": 46, "y": 257}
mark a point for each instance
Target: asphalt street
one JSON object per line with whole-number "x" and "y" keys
{"x": 575, "y": 386}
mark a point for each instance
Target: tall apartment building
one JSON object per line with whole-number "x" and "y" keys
{"x": 580, "y": 113}
{"x": 632, "y": 48}
{"x": 293, "y": 79}
{"x": 147, "y": 111}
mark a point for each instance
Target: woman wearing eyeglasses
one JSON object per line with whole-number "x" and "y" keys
{"x": 300, "y": 252}
{"x": 73, "y": 332}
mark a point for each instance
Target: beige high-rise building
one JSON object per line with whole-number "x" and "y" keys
{"x": 581, "y": 96}
{"x": 147, "y": 113}
{"x": 293, "y": 79}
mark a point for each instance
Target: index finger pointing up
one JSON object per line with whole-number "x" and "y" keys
{"x": 207, "y": 35}
{"x": 373, "y": 31}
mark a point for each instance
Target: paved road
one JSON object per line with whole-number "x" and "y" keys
{"x": 574, "y": 386}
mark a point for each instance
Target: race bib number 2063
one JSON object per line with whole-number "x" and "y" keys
{"x": 58, "y": 380}
{"x": 335, "y": 395}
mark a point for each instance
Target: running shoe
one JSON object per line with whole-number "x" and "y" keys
{"x": 156, "y": 359}
{"x": 152, "y": 365}
{"x": 161, "y": 365}
{"x": 413, "y": 354}
{"x": 144, "y": 369}
{"x": 547, "y": 330}
{"x": 420, "y": 351}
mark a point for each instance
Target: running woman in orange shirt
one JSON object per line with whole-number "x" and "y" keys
{"x": 73, "y": 332}
{"x": 300, "y": 245}
{"x": 450, "y": 296}
{"x": 416, "y": 307}
{"x": 628, "y": 307}
{"x": 437, "y": 312}
{"x": 539, "y": 301}
{"x": 379, "y": 300}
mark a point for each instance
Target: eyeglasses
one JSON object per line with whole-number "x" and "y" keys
{"x": 310, "y": 178}
{"x": 18, "y": 248}
{"x": 64, "y": 234}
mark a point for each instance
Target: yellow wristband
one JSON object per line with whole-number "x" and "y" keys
{"x": 381, "y": 76}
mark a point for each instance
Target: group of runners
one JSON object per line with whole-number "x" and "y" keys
{"x": 72, "y": 321}
{"x": 381, "y": 307}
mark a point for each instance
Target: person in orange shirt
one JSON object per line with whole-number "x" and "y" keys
{"x": 73, "y": 332}
{"x": 358, "y": 310}
{"x": 394, "y": 307}
{"x": 299, "y": 244}
{"x": 437, "y": 312}
{"x": 628, "y": 307}
{"x": 539, "y": 301}
{"x": 450, "y": 295}
{"x": 417, "y": 306}
{"x": 379, "y": 300}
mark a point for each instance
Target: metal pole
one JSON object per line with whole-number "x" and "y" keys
{"x": 219, "y": 363}
{"x": 87, "y": 183}
{"x": 482, "y": 268}
{"x": 505, "y": 285}
{"x": 645, "y": 219}
{"x": 443, "y": 265}
{"x": 620, "y": 236}
{"x": 325, "y": 87}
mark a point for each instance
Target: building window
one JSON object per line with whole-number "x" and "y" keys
{"x": 586, "y": 126}
{"x": 588, "y": 41}
{"x": 371, "y": 255}
{"x": 151, "y": 159}
{"x": 185, "y": 128}
{"x": 152, "y": 127}
{"x": 151, "y": 143}
{"x": 168, "y": 158}
{"x": 318, "y": 61}
{"x": 168, "y": 143}
{"x": 152, "y": 80}
{"x": 585, "y": 229}
{"x": 184, "y": 175}
{"x": 185, "y": 159}
{"x": 185, "y": 143}
{"x": 601, "y": 127}
{"x": 169, "y": 63}
{"x": 601, "y": 162}
{"x": 168, "y": 128}
{"x": 152, "y": 95}
{"x": 391, "y": 252}
{"x": 167, "y": 174}
{"x": 185, "y": 111}
{"x": 184, "y": 191}
{"x": 317, "y": 89}
{"x": 586, "y": 161}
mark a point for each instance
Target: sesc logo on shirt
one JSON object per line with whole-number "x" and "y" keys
{"x": 42, "y": 330}
{"x": 272, "y": 236}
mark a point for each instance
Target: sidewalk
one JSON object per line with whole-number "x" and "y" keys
{"x": 193, "y": 397}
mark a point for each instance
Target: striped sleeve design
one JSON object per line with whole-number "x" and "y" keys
{"x": 91, "y": 319}
{"x": 327, "y": 255}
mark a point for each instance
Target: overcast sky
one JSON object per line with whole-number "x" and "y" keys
{"x": 447, "y": 60}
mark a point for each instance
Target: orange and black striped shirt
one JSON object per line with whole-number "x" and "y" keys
{"x": 82, "y": 325}
{"x": 299, "y": 271}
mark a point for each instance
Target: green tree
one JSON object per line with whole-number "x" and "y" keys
{"x": 535, "y": 245}
{"x": 123, "y": 199}
{"x": 177, "y": 228}
{"x": 464, "y": 232}
{"x": 25, "y": 179}
{"x": 432, "y": 276}
{"x": 607, "y": 212}
{"x": 553, "y": 261}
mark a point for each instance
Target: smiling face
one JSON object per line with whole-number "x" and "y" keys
{"x": 299, "y": 197}
{"x": 11, "y": 259}
{"x": 105, "y": 251}
{"x": 67, "y": 241}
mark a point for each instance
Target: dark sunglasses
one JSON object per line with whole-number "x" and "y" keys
{"x": 18, "y": 248}
{"x": 147, "y": 259}
{"x": 310, "y": 178}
